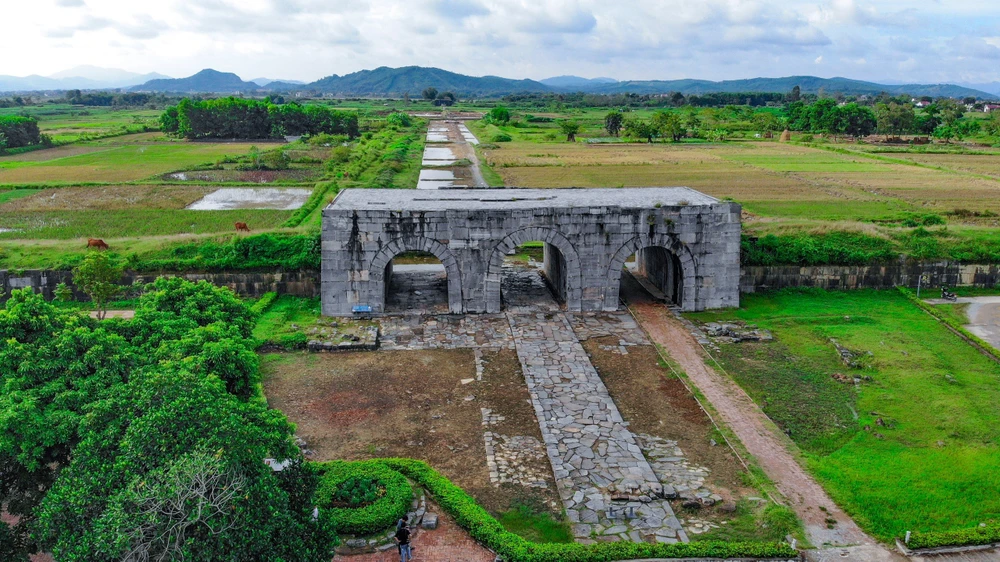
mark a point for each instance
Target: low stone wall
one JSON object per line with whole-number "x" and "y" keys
{"x": 753, "y": 278}
{"x": 247, "y": 284}
{"x": 765, "y": 278}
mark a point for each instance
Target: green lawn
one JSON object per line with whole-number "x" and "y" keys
{"x": 12, "y": 194}
{"x": 139, "y": 222}
{"x": 933, "y": 463}
{"x": 812, "y": 162}
{"x": 116, "y": 164}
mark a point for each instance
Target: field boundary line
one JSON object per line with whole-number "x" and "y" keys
{"x": 723, "y": 430}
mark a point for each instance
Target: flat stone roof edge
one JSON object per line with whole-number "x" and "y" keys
{"x": 519, "y": 198}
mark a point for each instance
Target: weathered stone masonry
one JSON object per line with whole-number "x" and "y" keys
{"x": 588, "y": 236}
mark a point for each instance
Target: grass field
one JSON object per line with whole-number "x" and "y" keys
{"x": 112, "y": 163}
{"x": 914, "y": 448}
{"x": 66, "y": 123}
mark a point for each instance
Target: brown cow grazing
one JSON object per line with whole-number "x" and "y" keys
{"x": 242, "y": 227}
{"x": 96, "y": 243}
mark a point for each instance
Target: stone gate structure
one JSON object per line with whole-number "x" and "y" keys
{"x": 686, "y": 243}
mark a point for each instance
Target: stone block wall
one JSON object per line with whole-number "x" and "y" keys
{"x": 594, "y": 243}
{"x": 883, "y": 276}
{"x": 248, "y": 284}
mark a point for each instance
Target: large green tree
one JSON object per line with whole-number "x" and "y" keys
{"x": 99, "y": 276}
{"x": 613, "y": 122}
{"x": 125, "y": 439}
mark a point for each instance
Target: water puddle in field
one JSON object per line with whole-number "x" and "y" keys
{"x": 251, "y": 198}
{"x": 467, "y": 134}
{"x": 437, "y": 156}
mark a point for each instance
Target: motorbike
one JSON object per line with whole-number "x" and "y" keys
{"x": 948, "y": 295}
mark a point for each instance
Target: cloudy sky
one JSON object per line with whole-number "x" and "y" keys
{"x": 885, "y": 40}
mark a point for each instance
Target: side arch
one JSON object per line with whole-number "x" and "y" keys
{"x": 574, "y": 273}
{"x": 689, "y": 269}
{"x": 376, "y": 270}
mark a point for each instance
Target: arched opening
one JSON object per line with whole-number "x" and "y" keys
{"x": 534, "y": 275}
{"x": 416, "y": 283}
{"x": 658, "y": 272}
{"x": 536, "y": 268}
{"x": 657, "y": 268}
{"x": 415, "y": 276}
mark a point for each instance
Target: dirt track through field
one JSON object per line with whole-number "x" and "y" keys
{"x": 762, "y": 440}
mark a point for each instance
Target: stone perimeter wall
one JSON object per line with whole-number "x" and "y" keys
{"x": 471, "y": 244}
{"x": 247, "y": 284}
{"x": 754, "y": 278}
{"x": 885, "y": 276}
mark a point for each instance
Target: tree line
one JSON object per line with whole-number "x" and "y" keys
{"x": 943, "y": 119}
{"x": 254, "y": 119}
{"x": 107, "y": 99}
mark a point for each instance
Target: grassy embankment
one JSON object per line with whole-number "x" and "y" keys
{"x": 914, "y": 448}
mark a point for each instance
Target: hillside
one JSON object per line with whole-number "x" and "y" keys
{"x": 414, "y": 79}
{"x": 207, "y": 80}
{"x": 809, "y": 84}
{"x": 570, "y": 82}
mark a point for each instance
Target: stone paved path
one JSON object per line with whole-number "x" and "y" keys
{"x": 594, "y": 456}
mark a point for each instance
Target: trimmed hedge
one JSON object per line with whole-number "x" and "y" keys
{"x": 512, "y": 548}
{"x": 963, "y": 537}
{"x": 374, "y": 517}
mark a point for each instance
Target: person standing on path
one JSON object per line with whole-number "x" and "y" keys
{"x": 403, "y": 540}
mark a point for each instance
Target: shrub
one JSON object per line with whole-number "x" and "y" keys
{"x": 806, "y": 138}
{"x": 264, "y": 303}
{"x": 362, "y": 498}
{"x": 399, "y": 119}
{"x": 488, "y": 531}
{"x": 501, "y": 137}
{"x": 964, "y": 537}
{"x": 933, "y": 220}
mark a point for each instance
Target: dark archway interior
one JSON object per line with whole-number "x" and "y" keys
{"x": 534, "y": 274}
{"x": 659, "y": 271}
{"x": 416, "y": 282}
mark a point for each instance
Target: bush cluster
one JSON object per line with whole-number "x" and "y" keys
{"x": 511, "y": 547}
{"x": 835, "y": 248}
{"x": 390, "y": 496}
{"x": 261, "y": 251}
{"x": 964, "y": 537}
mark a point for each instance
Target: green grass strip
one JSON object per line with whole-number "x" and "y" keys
{"x": 984, "y": 347}
{"x": 485, "y": 529}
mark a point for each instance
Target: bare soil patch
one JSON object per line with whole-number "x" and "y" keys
{"x": 105, "y": 198}
{"x": 408, "y": 404}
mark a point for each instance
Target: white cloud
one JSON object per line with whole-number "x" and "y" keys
{"x": 627, "y": 39}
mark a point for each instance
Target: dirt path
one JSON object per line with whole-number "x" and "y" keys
{"x": 764, "y": 441}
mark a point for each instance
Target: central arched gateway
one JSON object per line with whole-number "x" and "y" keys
{"x": 688, "y": 243}
{"x": 561, "y": 266}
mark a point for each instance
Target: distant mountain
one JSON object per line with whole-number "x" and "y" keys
{"x": 808, "y": 84}
{"x": 991, "y": 87}
{"x": 207, "y": 81}
{"x": 385, "y": 81}
{"x": 265, "y": 81}
{"x": 571, "y": 82}
{"x": 79, "y": 78}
